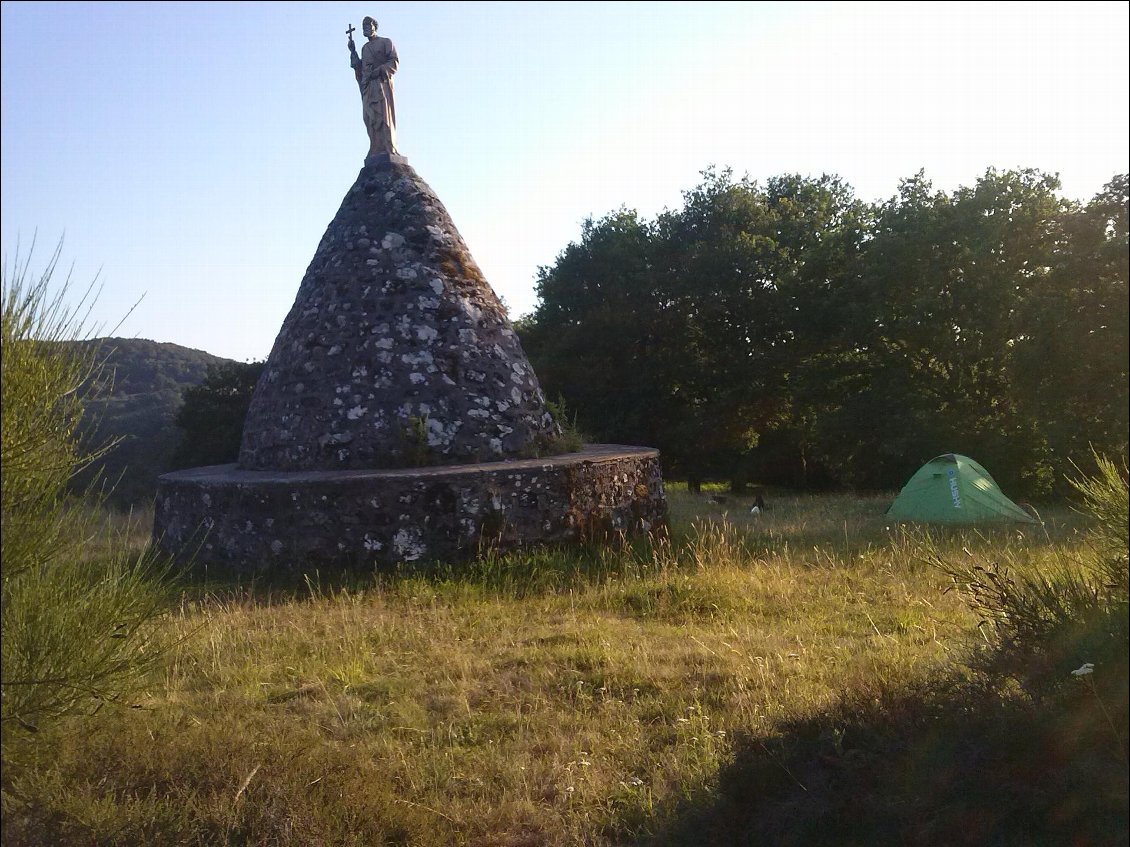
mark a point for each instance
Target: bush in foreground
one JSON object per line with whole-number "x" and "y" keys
{"x": 77, "y": 613}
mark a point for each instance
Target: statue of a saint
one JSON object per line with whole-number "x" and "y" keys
{"x": 374, "y": 69}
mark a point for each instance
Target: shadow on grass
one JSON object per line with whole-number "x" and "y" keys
{"x": 954, "y": 763}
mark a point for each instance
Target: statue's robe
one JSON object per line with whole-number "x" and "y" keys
{"x": 378, "y": 63}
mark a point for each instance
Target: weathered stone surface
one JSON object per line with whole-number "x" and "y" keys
{"x": 395, "y": 417}
{"x": 396, "y": 353}
{"x": 248, "y": 521}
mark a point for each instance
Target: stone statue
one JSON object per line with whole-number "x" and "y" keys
{"x": 374, "y": 69}
{"x": 398, "y": 418}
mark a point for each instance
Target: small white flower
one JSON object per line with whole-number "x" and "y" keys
{"x": 1083, "y": 670}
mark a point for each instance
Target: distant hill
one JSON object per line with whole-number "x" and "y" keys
{"x": 142, "y": 392}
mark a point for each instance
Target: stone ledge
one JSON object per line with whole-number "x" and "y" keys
{"x": 234, "y": 475}
{"x": 221, "y": 517}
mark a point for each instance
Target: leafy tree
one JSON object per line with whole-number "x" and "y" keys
{"x": 793, "y": 333}
{"x": 1071, "y": 363}
{"x": 79, "y": 623}
{"x": 820, "y": 229}
{"x": 684, "y": 333}
{"x": 940, "y": 307}
{"x": 721, "y": 266}
{"x": 601, "y": 335}
{"x": 211, "y": 418}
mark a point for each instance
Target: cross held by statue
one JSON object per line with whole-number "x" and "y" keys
{"x": 350, "y": 31}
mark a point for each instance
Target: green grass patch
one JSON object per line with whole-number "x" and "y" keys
{"x": 558, "y": 697}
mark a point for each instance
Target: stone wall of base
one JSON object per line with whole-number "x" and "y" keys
{"x": 248, "y": 522}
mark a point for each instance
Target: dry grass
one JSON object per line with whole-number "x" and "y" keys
{"x": 549, "y": 698}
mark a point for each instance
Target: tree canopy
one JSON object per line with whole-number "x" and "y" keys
{"x": 793, "y": 333}
{"x": 211, "y": 418}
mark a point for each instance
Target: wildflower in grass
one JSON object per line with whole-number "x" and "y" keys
{"x": 1085, "y": 669}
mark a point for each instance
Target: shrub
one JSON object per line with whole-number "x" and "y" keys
{"x": 78, "y": 614}
{"x": 211, "y": 417}
{"x": 1043, "y": 623}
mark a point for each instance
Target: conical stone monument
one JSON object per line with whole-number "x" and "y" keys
{"x": 396, "y": 352}
{"x": 397, "y": 417}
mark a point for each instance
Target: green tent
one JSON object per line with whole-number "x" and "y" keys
{"x": 954, "y": 489}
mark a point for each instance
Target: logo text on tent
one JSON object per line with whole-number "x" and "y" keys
{"x": 954, "y": 493}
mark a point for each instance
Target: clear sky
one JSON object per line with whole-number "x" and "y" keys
{"x": 194, "y": 153}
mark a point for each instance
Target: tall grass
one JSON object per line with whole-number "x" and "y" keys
{"x": 79, "y": 625}
{"x": 1021, "y": 740}
{"x": 550, "y": 697}
{"x": 1044, "y": 622}
{"x": 781, "y": 677}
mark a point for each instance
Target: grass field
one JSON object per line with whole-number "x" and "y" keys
{"x": 558, "y": 698}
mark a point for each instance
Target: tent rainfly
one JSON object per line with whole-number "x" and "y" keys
{"x": 954, "y": 489}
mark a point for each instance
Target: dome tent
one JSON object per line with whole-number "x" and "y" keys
{"x": 954, "y": 489}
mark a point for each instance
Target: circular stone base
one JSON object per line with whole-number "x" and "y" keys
{"x": 258, "y": 521}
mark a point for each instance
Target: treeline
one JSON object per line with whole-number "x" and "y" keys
{"x": 791, "y": 334}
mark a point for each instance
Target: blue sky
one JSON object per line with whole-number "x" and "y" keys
{"x": 193, "y": 153}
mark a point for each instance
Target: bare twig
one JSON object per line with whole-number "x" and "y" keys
{"x": 246, "y": 782}
{"x": 426, "y": 809}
